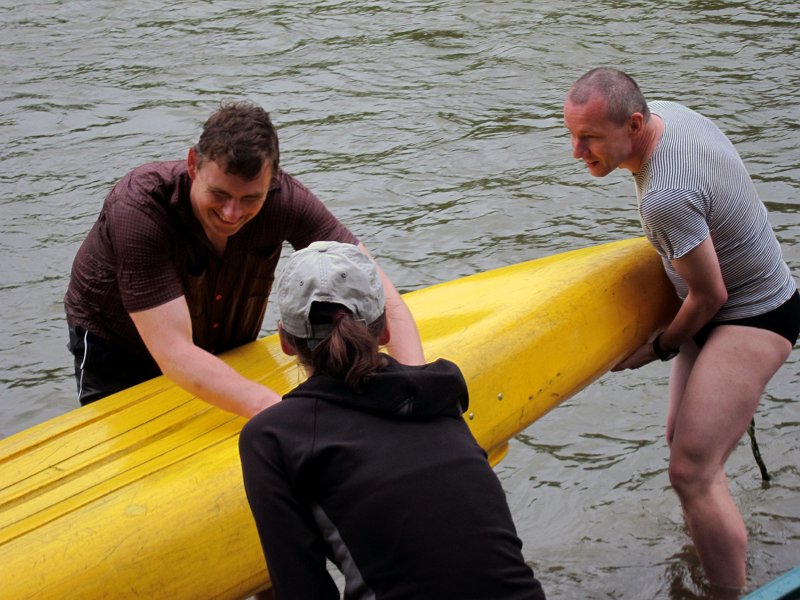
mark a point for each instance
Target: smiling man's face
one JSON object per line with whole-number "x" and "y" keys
{"x": 222, "y": 202}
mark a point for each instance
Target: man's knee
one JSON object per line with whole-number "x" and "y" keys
{"x": 688, "y": 475}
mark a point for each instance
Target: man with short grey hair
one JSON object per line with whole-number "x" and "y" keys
{"x": 740, "y": 310}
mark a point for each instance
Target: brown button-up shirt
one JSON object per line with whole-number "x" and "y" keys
{"x": 147, "y": 248}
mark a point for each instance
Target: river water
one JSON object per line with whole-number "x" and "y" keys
{"x": 434, "y": 130}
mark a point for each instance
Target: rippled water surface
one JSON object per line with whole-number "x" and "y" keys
{"x": 434, "y": 130}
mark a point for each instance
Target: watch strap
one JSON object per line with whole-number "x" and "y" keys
{"x": 661, "y": 353}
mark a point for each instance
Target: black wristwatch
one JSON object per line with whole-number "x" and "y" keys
{"x": 661, "y": 352}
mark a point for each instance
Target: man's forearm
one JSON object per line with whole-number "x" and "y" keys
{"x": 210, "y": 379}
{"x": 405, "y": 344}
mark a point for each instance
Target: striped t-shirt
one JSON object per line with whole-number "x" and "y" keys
{"x": 695, "y": 184}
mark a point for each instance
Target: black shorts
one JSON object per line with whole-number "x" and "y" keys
{"x": 784, "y": 320}
{"x": 101, "y": 368}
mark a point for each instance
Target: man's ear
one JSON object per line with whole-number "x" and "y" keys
{"x": 385, "y": 336}
{"x": 287, "y": 348}
{"x": 191, "y": 163}
{"x": 636, "y": 123}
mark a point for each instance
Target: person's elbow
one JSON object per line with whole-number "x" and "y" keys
{"x": 714, "y": 299}
{"x": 720, "y": 296}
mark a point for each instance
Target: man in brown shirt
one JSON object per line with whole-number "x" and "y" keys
{"x": 181, "y": 260}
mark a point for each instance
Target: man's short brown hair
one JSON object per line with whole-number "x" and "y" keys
{"x": 240, "y": 138}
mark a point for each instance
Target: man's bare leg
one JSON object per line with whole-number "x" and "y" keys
{"x": 721, "y": 391}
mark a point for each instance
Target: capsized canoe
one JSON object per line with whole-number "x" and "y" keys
{"x": 140, "y": 495}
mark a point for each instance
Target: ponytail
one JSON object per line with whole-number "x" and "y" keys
{"x": 349, "y": 352}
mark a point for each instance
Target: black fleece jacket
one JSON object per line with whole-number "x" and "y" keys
{"x": 390, "y": 484}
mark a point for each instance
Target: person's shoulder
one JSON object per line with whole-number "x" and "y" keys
{"x": 444, "y": 366}
{"x": 290, "y": 188}
{"x": 288, "y": 419}
{"x": 672, "y": 111}
{"x": 440, "y": 367}
{"x": 664, "y": 104}
{"x": 150, "y": 186}
{"x": 158, "y": 172}
{"x": 292, "y": 406}
{"x": 292, "y": 203}
{"x": 667, "y": 107}
{"x": 151, "y": 178}
{"x": 442, "y": 377}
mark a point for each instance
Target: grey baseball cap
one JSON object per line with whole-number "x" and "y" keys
{"x": 328, "y": 272}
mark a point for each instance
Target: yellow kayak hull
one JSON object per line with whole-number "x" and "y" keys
{"x": 140, "y": 495}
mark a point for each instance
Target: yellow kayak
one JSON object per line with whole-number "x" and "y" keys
{"x": 140, "y": 495}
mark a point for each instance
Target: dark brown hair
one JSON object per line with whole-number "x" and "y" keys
{"x": 239, "y": 137}
{"x": 621, "y": 93}
{"x": 350, "y": 352}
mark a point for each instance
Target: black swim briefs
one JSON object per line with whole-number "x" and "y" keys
{"x": 784, "y": 320}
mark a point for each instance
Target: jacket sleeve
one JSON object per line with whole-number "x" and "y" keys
{"x": 293, "y": 546}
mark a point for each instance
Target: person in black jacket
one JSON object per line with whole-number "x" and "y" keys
{"x": 369, "y": 462}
